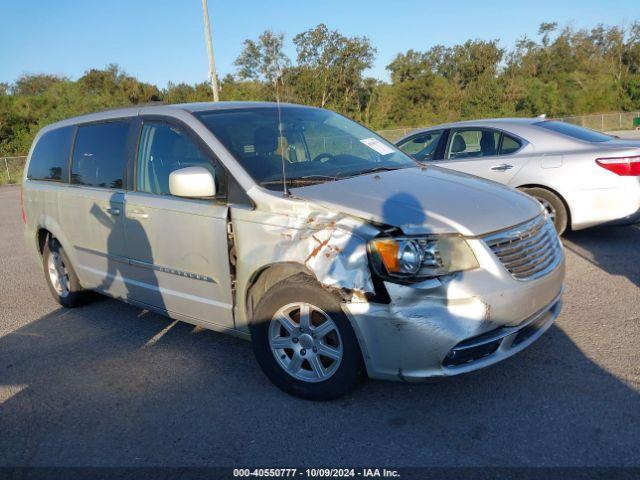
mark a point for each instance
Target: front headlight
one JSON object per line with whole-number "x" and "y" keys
{"x": 413, "y": 259}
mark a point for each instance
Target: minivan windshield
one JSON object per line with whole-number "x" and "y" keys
{"x": 311, "y": 145}
{"x": 574, "y": 131}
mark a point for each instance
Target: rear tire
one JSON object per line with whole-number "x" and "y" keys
{"x": 553, "y": 205}
{"x": 304, "y": 342}
{"x": 60, "y": 276}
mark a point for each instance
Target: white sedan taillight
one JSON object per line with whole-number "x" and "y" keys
{"x": 624, "y": 166}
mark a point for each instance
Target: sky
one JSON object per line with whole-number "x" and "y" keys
{"x": 159, "y": 41}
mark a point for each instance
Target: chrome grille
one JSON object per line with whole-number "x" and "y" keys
{"x": 528, "y": 251}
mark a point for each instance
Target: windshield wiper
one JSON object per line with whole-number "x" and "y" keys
{"x": 317, "y": 177}
{"x": 306, "y": 180}
{"x": 374, "y": 170}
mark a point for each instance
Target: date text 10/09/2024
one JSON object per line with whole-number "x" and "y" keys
{"x": 316, "y": 472}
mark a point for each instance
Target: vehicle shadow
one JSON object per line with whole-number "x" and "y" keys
{"x": 612, "y": 249}
{"x": 109, "y": 385}
{"x": 145, "y": 286}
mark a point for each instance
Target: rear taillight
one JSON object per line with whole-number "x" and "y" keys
{"x": 24, "y": 214}
{"x": 625, "y": 166}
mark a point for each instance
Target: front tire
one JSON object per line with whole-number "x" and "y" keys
{"x": 304, "y": 342}
{"x": 61, "y": 279}
{"x": 553, "y": 205}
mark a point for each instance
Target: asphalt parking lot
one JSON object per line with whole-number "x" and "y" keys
{"x": 110, "y": 385}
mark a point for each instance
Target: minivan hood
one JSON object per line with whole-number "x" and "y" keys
{"x": 425, "y": 200}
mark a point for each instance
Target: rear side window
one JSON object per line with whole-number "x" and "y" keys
{"x": 51, "y": 155}
{"x": 574, "y": 131}
{"x": 99, "y": 155}
{"x": 509, "y": 145}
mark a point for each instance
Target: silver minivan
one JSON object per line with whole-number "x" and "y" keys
{"x": 292, "y": 226}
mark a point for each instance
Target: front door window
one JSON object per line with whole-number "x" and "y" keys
{"x": 422, "y": 147}
{"x": 164, "y": 148}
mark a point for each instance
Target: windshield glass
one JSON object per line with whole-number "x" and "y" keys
{"x": 574, "y": 131}
{"x": 314, "y": 145}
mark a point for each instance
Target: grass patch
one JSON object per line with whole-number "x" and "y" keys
{"x": 11, "y": 170}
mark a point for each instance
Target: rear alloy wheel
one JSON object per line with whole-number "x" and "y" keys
{"x": 61, "y": 279}
{"x": 304, "y": 342}
{"x": 553, "y": 205}
{"x": 58, "y": 274}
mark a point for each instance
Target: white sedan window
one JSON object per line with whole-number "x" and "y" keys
{"x": 473, "y": 143}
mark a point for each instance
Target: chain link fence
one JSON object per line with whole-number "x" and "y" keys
{"x": 395, "y": 134}
{"x": 12, "y": 168}
{"x": 605, "y": 122}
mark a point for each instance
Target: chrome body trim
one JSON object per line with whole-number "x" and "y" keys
{"x": 149, "y": 266}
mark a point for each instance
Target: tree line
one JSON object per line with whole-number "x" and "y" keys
{"x": 563, "y": 71}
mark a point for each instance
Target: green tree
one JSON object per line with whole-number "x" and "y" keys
{"x": 562, "y": 71}
{"x": 264, "y": 60}
{"x": 330, "y": 69}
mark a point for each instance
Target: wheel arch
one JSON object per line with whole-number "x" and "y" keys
{"x": 265, "y": 277}
{"x": 42, "y": 236}
{"x": 555, "y": 192}
{"x": 268, "y": 275}
{"x": 46, "y": 228}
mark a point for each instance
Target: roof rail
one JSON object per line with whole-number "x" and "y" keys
{"x": 133, "y": 105}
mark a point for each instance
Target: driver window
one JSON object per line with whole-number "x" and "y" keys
{"x": 164, "y": 148}
{"x": 422, "y": 147}
{"x": 473, "y": 143}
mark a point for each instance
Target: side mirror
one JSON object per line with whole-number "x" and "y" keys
{"x": 192, "y": 182}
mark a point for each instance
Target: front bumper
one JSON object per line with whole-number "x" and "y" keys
{"x": 496, "y": 345}
{"x": 481, "y": 317}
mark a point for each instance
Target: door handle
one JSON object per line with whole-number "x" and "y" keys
{"x": 502, "y": 167}
{"x": 113, "y": 211}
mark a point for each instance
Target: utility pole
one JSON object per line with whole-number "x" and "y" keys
{"x": 212, "y": 64}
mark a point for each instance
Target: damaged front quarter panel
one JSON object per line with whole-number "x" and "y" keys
{"x": 330, "y": 246}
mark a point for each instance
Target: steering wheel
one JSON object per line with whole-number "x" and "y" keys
{"x": 326, "y": 156}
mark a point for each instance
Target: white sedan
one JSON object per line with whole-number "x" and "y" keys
{"x": 582, "y": 177}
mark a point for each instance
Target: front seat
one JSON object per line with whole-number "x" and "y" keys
{"x": 458, "y": 146}
{"x": 266, "y": 161}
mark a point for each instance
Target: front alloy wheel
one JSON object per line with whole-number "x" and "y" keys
{"x": 305, "y": 342}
